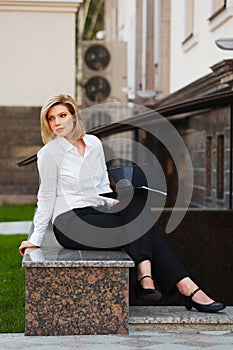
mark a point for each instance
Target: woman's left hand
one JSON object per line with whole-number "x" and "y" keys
{"x": 24, "y": 245}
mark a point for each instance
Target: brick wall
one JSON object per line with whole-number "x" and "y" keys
{"x": 207, "y": 136}
{"x": 19, "y": 138}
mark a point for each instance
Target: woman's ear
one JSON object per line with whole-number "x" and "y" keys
{"x": 74, "y": 120}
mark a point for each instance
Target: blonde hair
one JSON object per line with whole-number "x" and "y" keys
{"x": 67, "y": 101}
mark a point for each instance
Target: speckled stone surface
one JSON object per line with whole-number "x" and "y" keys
{"x": 178, "y": 314}
{"x": 59, "y": 257}
{"x": 76, "y": 292}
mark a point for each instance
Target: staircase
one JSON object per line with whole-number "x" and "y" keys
{"x": 176, "y": 318}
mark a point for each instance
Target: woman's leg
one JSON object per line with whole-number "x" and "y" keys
{"x": 67, "y": 242}
{"x": 70, "y": 231}
{"x": 166, "y": 269}
{"x": 169, "y": 272}
{"x": 144, "y": 269}
{"x": 151, "y": 252}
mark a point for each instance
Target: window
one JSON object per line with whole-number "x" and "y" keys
{"x": 217, "y": 7}
{"x": 220, "y": 167}
{"x": 208, "y": 166}
{"x": 189, "y": 19}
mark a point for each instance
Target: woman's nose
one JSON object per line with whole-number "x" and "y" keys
{"x": 57, "y": 121}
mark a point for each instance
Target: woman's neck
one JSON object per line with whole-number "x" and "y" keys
{"x": 80, "y": 145}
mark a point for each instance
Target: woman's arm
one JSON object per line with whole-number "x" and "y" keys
{"x": 103, "y": 180}
{"x": 46, "y": 198}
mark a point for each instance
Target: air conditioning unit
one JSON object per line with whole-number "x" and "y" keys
{"x": 104, "y": 72}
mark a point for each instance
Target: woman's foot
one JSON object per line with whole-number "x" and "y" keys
{"x": 186, "y": 286}
{"x": 146, "y": 282}
{"x": 195, "y": 297}
{"x": 145, "y": 289}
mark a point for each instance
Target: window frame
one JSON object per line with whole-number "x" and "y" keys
{"x": 216, "y": 11}
{"x": 220, "y": 167}
{"x": 189, "y": 17}
{"x": 208, "y": 166}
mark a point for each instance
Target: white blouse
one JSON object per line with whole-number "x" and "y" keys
{"x": 68, "y": 180}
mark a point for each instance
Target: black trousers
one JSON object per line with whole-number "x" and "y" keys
{"x": 167, "y": 270}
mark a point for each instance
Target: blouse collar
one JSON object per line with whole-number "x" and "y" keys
{"x": 68, "y": 146}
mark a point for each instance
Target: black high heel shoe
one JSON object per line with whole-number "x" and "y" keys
{"x": 146, "y": 293}
{"x": 212, "y": 307}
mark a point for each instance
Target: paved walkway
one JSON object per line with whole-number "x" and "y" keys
{"x": 145, "y": 340}
{"x": 14, "y": 227}
{"x": 160, "y": 328}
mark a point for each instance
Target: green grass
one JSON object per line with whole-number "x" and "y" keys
{"x": 12, "y": 285}
{"x": 17, "y": 212}
{"x": 12, "y": 275}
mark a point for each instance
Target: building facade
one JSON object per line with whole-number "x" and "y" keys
{"x": 170, "y": 43}
{"x": 173, "y": 54}
{"x": 195, "y": 26}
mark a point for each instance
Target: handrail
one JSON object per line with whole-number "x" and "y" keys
{"x": 209, "y": 101}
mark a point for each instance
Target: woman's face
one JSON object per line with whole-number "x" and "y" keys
{"x": 60, "y": 120}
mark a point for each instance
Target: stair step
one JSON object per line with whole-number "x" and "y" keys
{"x": 174, "y": 317}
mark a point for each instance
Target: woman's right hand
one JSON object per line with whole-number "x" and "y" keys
{"x": 24, "y": 245}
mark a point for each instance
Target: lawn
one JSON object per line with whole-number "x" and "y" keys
{"x": 12, "y": 275}
{"x": 12, "y": 285}
{"x": 17, "y": 212}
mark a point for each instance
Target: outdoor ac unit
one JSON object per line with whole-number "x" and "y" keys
{"x": 104, "y": 72}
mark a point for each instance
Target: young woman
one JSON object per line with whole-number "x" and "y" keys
{"x": 72, "y": 176}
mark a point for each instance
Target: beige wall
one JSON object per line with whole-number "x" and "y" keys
{"x": 37, "y": 50}
{"x": 177, "y": 62}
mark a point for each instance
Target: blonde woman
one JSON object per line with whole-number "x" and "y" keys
{"x": 73, "y": 174}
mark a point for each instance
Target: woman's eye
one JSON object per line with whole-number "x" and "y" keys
{"x": 63, "y": 115}
{"x": 50, "y": 119}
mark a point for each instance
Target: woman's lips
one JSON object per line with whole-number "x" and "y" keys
{"x": 59, "y": 129}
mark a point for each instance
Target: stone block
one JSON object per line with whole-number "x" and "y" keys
{"x": 76, "y": 292}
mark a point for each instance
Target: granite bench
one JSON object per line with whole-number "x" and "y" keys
{"x": 72, "y": 292}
